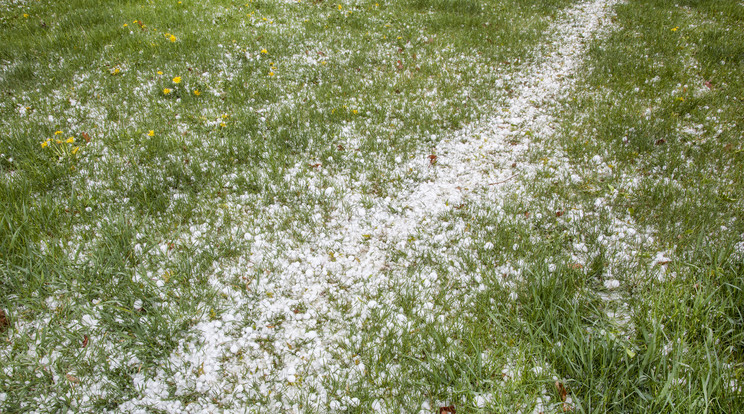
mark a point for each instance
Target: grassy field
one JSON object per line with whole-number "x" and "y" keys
{"x": 369, "y": 206}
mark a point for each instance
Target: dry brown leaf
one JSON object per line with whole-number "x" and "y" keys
{"x": 85, "y": 341}
{"x": 447, "y": 410}
{"x": 562, "y": 391}
{"x": 660, "y": 141}
{"x": 4, "y": 322}
{"x": 72, "y": 379}
{"x": 86, "y": 137}
{"x": 559, "y": 213}
{"x": 432, "y": 159}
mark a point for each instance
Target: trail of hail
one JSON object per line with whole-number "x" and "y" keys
{"x": 322, "y": 288}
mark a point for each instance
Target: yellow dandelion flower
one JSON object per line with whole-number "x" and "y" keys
{"x": 264, "y": 51}
{"x": 177, "y": 79}
{"x": 224, "y": 116}
{"x": 57, "y": 132}
{"x": 70, "y": 140}
{"x": 75, "y": 150}
{"x": 25, "y": 15}
{"x": 172, "y": 38}
{"x": 354, "y": 111}
{"x": 340, "y": 7}
{"x": 222, "y": 124}
{"x": 151, "y": 133}
{"x": 58, "y": 141}
{"x": 271, "y": 73}
{"x": 125, "y": 25}
{"x": 160, "y": 72}
{"x": 196, "y": 92}
{"x": 44, "y": 144}
{"x": 675, "y": 29}
{"x": 166, "y": 91}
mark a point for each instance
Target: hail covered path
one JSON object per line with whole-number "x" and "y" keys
{"x": 303, "y": 314}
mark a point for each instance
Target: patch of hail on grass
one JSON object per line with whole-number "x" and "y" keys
{"x": 285, "y": 335}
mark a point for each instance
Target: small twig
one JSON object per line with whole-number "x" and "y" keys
{"x": 503, "y": 181}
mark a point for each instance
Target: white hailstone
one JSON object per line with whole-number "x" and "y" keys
{"x": 611, "y": 283}
{"x": 551, "y": 267}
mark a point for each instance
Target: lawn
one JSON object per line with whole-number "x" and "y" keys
{"x": 372, "y": 207}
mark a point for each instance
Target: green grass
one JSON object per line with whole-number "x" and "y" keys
{"x": 110, "y": 245}
{"x": 643, "y": 106}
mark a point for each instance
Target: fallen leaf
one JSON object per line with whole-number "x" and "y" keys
{"x": 577, "y": 266}
{"x": 660, "y": 141}
{"x": 72, "y": 379}
{"x": 447, "y": 410}
{"x": 708, "y": 84}
{"x": 86, "y": 137}
{"x": 314, "y": 165}
{"x": 4, "y": 322}
{"x": 562, "y": 391}
{"x": 432, "y": 159}
{"x": 558, "y": 213}
{"x": 399, "y": 65}
{"x": 664, "y": 262}
{"x": 340, "y": 147}
{"x": 85, "y": 341}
